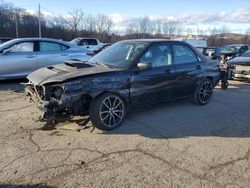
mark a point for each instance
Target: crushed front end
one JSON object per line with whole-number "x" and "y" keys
{"x": 54, "y": 102}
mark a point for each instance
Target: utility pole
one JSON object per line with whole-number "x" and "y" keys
{"x": 17, "y": 33}
{"x": 17, "y": 18}
{"x": 39, "y": 21}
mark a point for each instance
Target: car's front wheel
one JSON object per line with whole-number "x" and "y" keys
{"x": 107, "y": 111}
{"x": 204, "y": 92}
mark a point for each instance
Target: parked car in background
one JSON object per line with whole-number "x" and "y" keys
{"x": 194, "y": 42}
{"x": 88, "y": 43}
{"x": 231, "y": 51}
{"x": 127, "y": 75}
{"x": 104, "y": 46}
{"x": 4, "y": 39}
{"x": 240, "y": 66}
{"x": 20, "y": 57}
{"x": 210, "y": 52}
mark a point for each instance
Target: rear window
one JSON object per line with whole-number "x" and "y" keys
{"x": 183, "y": 54}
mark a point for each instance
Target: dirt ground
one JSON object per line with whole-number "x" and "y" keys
{"x": 172, "y": 145}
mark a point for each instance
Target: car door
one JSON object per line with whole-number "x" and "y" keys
{"x": 155, "y": 84}
{"x": 19, "y": 61}
{"x": 51, "y": 53}
{"x": 188, "y": 65}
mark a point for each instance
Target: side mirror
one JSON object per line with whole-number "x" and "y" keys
{"x": 217, "y": 53}
{"x": 6, "y": 51}
{"x": 144, "y": 66}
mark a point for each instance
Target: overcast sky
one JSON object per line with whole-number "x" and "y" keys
{"x": 235, "y": 14}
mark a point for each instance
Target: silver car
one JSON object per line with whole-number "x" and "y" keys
{"x": 20, "y": 57}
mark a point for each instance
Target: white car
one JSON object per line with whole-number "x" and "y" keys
{"x": 88, "y": 43}
{"x": 20, "y": 57}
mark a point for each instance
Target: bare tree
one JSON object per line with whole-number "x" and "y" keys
{"x": 200, "y": 31}
{"x": 158, "y": 26}
{"x": 143, "y": 26}
{"x": 247, "y": 37}
{"x": 89, "y": 23}
{"x": 76, "y": 17}
{"x": 104, "y": 24}
{"x": 171, "y": 27}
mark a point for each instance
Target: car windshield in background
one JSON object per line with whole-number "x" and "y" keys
{"x": 230, "y": 48}
{"x": 75, "y": 41}
{"x": 119, "y": 55}
{"x": 246, "y": 54}
{"x": 5, "y": 44}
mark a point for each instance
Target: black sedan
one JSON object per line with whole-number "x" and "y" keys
{"x": 128, "y": 75}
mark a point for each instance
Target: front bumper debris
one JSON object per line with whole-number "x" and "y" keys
{"x": 50, "y": 109}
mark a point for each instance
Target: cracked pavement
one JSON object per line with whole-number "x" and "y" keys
{"x": 173, "y": 145}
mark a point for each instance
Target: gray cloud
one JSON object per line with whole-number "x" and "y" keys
{"x": 239, "y": 16}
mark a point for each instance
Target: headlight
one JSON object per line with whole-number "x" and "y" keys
{"x": 56, "y": 92}
{"x": 40, "y": 90}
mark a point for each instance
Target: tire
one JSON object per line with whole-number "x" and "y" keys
{"x": 224, "y": 84}
{"x": 203, "y": 93}
{"x": 107, "y": 111}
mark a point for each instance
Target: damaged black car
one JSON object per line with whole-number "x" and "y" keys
{"x": 128, "y": 75}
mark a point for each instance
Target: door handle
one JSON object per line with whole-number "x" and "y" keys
{"x": 30, "y": 56}
{"x": 168, "y": 71}
{"x": 198, "y": 67}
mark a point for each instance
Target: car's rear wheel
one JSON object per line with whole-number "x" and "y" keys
{"x": 204, "y": 92}
{"x": 107, "y": 111}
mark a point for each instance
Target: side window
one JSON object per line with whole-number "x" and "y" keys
{"x": 92, "y": 42}
{"x": 23, "y": 47}
{"x": 52, "y": 47}
{"x": 82, "y": 43}
{"x": 183, "y": 54}
{"x": 158, "y": 55}
{"x": 86, "y": 42}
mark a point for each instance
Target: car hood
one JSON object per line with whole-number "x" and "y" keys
{"x": 66, "y": 71}
{"x": 240, "y": 61}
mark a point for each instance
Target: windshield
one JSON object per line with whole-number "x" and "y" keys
{"x": 229, "y": 48}
{"x": 119, "y": 55}
{"x": 75, "y": 41}
{"x": 4, "y": 44}
{"x": 246, "y": 54}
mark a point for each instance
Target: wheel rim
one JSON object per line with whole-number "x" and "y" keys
{"x": 111, "y": 111}
{"x": 205, "y": 92}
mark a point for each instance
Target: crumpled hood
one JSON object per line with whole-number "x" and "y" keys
{"x": 64, "y": 72}
{"x": 240, "y": 61}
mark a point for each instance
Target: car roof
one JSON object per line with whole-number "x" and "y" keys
{"x": 40, "y": 39}
{"x": 154, "y": 41}
{"x": 80, "y": 38}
